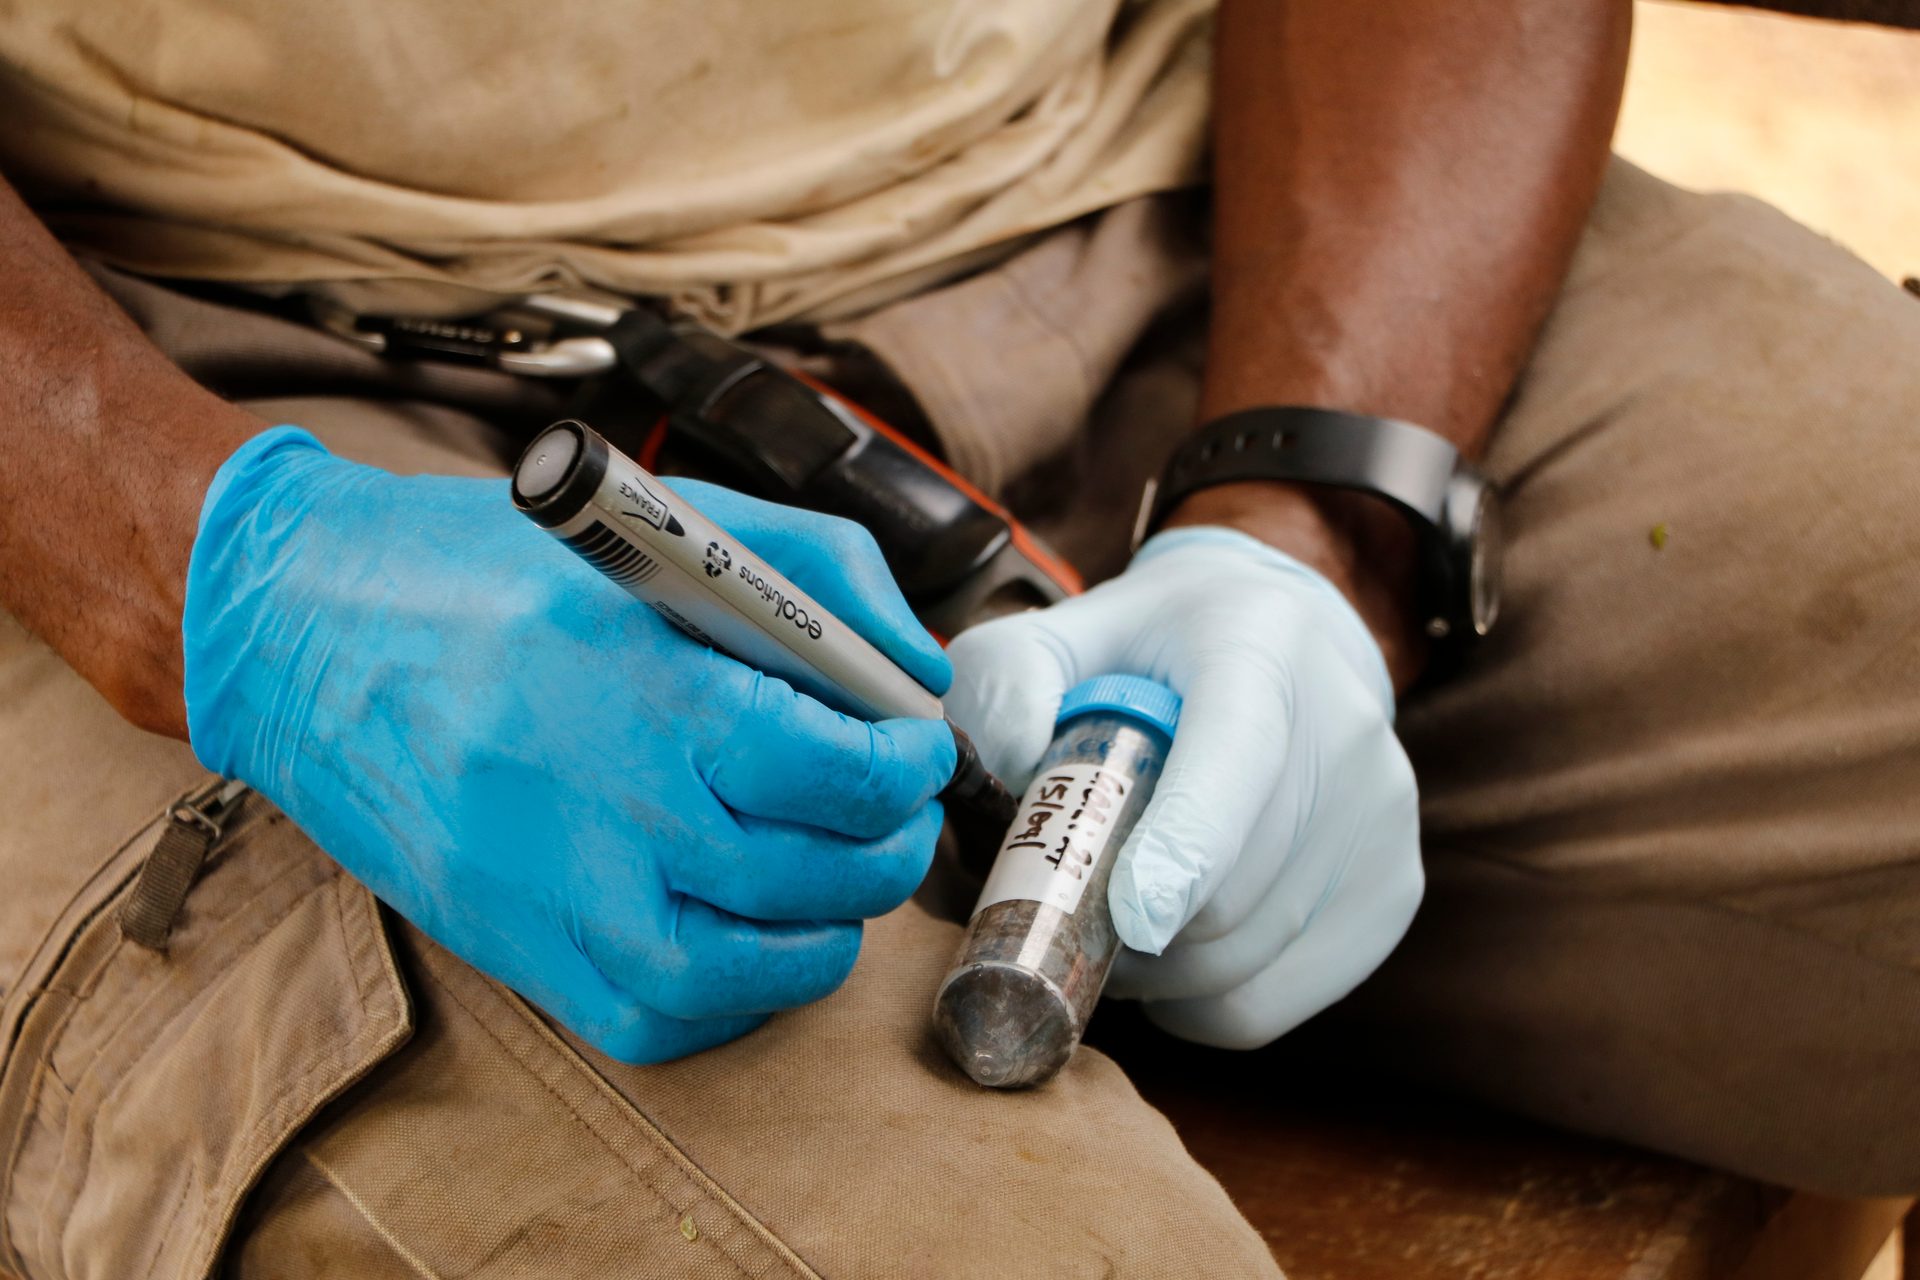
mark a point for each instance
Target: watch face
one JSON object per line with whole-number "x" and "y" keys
{"x": 1483, "y": 579}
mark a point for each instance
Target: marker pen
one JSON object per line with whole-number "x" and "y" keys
{"x": 628, "y": 524}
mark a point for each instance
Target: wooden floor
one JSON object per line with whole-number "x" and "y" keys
{"x": 1357, "y": 1178}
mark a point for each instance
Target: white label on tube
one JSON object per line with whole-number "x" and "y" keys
{"x": 1062, "y": 832}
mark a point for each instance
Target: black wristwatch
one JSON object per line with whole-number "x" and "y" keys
{"x": 1454, "y": 510}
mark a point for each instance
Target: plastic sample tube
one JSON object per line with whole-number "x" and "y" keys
{"x": 1041, "y": 942}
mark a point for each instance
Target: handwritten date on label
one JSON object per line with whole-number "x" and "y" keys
{"x": 1063, "y": 828}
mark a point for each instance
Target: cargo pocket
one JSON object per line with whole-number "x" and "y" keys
{"x": 493, "y": 1148}
{"x": 157, "y": 1058}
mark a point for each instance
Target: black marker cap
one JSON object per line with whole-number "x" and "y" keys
{"x": 559, "y": 473}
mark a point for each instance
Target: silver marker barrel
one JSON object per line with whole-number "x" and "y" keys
{"x": 633, "y": 528}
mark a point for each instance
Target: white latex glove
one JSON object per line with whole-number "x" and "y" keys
{"x": 1279, "y": 859}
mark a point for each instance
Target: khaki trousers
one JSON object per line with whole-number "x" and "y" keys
{"x": 1670, "y": 816}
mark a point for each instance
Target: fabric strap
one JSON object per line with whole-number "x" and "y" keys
{"x": 180, "y": 847}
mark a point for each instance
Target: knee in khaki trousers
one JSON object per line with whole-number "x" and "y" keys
{"x": 1668, "y": 813}
{"x": 1672, "y": 821}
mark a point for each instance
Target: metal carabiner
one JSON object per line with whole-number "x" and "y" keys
{"x": 538, "y": 337}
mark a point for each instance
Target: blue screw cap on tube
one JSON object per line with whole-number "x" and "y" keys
{"x": 1143, "y": 699}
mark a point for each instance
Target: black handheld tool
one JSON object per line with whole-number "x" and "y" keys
{"x": 956, "y": 554}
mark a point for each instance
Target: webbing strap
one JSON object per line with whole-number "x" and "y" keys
{"x": 180, "y": 847}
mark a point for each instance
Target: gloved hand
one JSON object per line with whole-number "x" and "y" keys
{"x": 1279, "y": 859}
{"x": 653, "y": 842}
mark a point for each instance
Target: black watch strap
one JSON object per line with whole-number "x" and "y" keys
{"x": 1409, "y": 466}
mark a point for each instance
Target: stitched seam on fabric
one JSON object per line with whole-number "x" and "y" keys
{"x": 6, "y": 1188}
{"x": 79, "y": 929}
{"x": 132, "y": 1068}
{"x": 76, "y": 995}
{"x": 30, "y": 995}
{"x": 173, "y": 1222}
{"x": 124, "y": 1018}
{"x": 110, "y": 896}
{"x": 85, "y": 989}
{"x": 380, "y": 1228}
{"x": 760, "y": 1235}
{"x": 349, "y": 946}
{"x": 282, "y": 1112}
{"x": 638, "y": 1171}
{"x": 190, "y": 998}
{"x": 273, "y": 1114}
{"x": 263, "y": 815}
{"x": 663, "y": 1146}
{"x": 43, "y": 1071}
{"x": 84, "y": 992}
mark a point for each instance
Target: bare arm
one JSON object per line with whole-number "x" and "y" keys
{"x": 105, "y": 452}
{"x": 1398, "y": 192}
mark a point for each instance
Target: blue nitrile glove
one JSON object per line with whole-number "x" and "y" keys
{"x": 648, "y": 839}
{"x": 1279, "y": 859}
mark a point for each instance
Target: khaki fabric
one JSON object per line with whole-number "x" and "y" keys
{"x": 1674, "y": 868}
{"x": 840, "y": 1128}
{"x": 1007, "y": 365}
{"x": 143, "y": 1093}
{"x": 1719, "y": 910}
{"x": 835, "y": 1141}
{"x": 754, "y": 160}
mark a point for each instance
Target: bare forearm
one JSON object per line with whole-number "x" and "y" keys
{"x": 105, "y": 451}
{"x": 1398, "y": 192}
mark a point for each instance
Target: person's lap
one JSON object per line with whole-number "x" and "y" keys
{"x": 836, "y": 1139}
{"x": 1671, "y": 818}
{"x": 1671, "y": 891}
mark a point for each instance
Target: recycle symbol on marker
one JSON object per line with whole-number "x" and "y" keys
{"x": 719, "y": 560}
